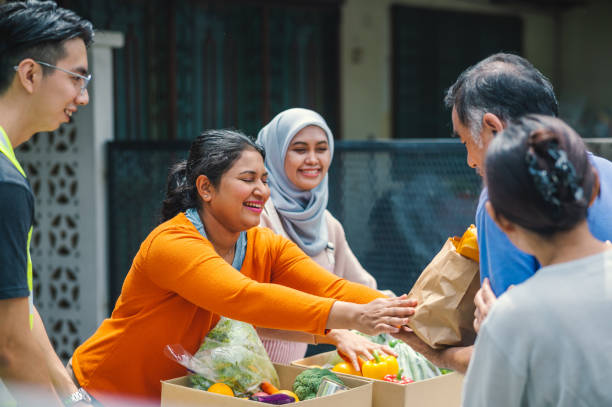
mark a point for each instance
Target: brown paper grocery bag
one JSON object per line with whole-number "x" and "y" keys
{"x": 445, "y": 293}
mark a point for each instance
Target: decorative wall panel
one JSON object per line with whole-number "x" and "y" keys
{"x": 51, "y": 161}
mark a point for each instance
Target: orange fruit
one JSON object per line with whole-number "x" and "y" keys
{"x": 468, "y": 245}
{"x": 221, "y": 388}
{"x": 290, "y": 393}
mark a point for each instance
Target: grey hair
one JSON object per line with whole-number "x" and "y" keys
{"x": 474, "y": 123}
{"x": 506, "y": 85}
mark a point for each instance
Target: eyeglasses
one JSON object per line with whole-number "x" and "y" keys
{"x": 84, "y": 80}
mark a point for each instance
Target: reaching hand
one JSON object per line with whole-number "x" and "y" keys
{"x": 385, "y": 315}
{"x": 352, "y": 346}
{"x": 484, "y": 300}
{"x": 382, "y": 315}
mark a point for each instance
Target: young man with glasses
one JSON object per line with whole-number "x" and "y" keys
{"x": 43, "y": 81}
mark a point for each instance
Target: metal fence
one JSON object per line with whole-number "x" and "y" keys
{"x": 398, "y": 201}
{"x": 137, "y": 175}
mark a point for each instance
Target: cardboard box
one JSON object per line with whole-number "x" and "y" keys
{"x": 440, "y": 391}
{"x": 177, "y": 393}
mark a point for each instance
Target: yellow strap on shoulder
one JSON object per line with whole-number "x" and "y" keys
{"x": 7, "y": 149}
{"x": 30, "y": 282}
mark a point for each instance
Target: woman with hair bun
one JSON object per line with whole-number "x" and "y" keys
{"x": 209, "y": 259}
{"x": 547, "y": 341}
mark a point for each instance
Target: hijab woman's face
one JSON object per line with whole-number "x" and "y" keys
{"x": 308, "y": 158}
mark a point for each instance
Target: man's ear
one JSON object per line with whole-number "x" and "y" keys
{"x": 204, "y": 188}
{"x": 504, "y": 224}
{"x": 492, "y": 123}
{"x": 29, "y": 74}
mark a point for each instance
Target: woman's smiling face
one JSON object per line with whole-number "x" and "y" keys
{"x": 308, "y": 158}
{"x": 239, "y": 198}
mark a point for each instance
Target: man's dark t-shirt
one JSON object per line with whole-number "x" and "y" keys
{"x": 16, "y": 217}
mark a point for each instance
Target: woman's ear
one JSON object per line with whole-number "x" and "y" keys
{"x": 204, "y": 188}
{"x": 504, "y": 224}
{"x": 596, "y": 186}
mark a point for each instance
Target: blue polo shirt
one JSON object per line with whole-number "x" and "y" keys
{"x": 506, "y": 265}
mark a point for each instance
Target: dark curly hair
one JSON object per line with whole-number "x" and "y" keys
{"x": 211, "y": 154}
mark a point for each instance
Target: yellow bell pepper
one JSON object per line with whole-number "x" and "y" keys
{"x": 346, "y": 368}
{"x": 392, "y": 363}
{"x": 380, "y": 366}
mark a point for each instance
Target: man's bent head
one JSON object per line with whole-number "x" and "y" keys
{"x": 497, "y": 90}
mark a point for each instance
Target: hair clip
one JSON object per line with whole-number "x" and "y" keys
{"x": 542, "y": 180}
{"x": 550, "y": 183}
{"x": 564, "y": 167}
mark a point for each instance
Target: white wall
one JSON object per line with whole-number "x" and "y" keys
{"x": 366, "y": 57}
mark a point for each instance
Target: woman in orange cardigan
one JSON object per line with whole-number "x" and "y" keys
{"x": 208, "y": 259}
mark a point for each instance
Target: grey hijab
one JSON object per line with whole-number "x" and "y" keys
{"x": 301, "y": 212}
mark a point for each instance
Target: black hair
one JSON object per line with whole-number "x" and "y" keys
{"x": 212, "y": 153}
{"x": 506, "y": 85}
{"x": 539, "y": 175}
{"x": 38, "y": 30}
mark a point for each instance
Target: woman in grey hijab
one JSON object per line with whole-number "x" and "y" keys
{"x": 299, "y": 148}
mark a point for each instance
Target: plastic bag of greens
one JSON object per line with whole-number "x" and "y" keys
{"x": 414, "y": 365}
{"x": 231, "y": 353}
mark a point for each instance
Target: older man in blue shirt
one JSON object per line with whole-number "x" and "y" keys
{"x": 484, "y": 100}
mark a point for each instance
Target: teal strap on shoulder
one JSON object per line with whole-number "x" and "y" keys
{"x": 7, "y": 149}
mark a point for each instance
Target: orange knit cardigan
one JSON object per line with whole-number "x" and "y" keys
{"x": 175, "y": 292}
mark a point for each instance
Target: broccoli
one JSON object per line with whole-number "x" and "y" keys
{"x": 307, "y": 383}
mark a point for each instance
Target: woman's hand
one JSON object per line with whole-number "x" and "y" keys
{"x": 383, "y": 315}
{"x": 484, "y": 300}
{"x": 352, "y": 346}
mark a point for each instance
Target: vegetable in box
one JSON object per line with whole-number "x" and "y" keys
{"x": 232, "y": 353}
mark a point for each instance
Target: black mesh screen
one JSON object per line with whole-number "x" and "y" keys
{"x": 136, "y": 187}
{"x": 398, "y": 202}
